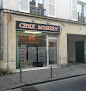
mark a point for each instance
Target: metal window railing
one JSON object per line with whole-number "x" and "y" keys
{"x": 37, "y": 10}
{"x": 81, "y": 18}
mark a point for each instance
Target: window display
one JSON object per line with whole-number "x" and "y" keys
{"x": 31, "y": 49}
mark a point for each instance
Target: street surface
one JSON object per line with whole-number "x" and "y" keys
{"x": 71, "y": 84}
{"x": 43, "y": 75}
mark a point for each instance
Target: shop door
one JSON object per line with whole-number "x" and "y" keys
{"x": 80, "y": 51}
{"x": 52, "y": 51}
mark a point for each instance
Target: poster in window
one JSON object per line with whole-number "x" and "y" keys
{"x": 32, "y": 54}
{"x": 21, "y": 54}
{"x": 52, "y": 53}
{"x": 41, "y": 54}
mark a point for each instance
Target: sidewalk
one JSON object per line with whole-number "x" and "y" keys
{"x": 40, "y": 76}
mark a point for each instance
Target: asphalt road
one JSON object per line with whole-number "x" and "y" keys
{"x": 71, "y": 84}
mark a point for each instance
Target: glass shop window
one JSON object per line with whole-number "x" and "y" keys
{"x": 31, "y": 50}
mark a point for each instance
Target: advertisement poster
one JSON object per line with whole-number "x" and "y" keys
{"x": 32, "y": 54}
{"x": 21, "y": 54}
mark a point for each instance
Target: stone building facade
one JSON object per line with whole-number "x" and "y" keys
{"x": 41, "y": 48}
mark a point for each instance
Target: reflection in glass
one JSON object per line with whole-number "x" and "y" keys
{"x": 32, "y": 0}
{"x": 40, "y": 1}
{"x": 31, "y": 49}
{"x": 52, "y": 51}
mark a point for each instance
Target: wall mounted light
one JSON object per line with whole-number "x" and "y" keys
{"x": 33, "y": 20}
{"x": 64, "y": 23}
{"x": 80, "y": 28}
{"x": 47, "y": 22}
{"x": 32, "y": 32}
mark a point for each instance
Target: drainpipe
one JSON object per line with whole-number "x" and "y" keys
{"x": 1, "y": 29}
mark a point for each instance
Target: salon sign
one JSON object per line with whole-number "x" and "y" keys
{"x": 35, "y": 26}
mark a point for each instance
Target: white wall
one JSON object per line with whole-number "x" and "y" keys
{"x": 11, "y": 4}
{"x": 63, "y": 8}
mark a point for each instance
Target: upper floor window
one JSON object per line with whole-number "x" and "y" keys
{"x": 40, "y": 1}
{"x": 38, "y": 7}
{"x": 81, "y": 9}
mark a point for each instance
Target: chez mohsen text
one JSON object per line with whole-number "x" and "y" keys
{"x": 35, "y": 26}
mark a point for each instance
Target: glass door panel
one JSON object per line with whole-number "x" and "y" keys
{"x": 52, "y": 51}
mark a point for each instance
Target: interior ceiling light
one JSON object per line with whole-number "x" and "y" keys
{"x": 32, "y": 32}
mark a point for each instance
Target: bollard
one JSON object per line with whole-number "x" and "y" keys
{"x": 51, "y": 71}
{"x": 20, "y": 73}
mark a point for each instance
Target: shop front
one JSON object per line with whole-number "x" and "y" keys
{"x": 41, "y": 42}
{"x": 36, "y": 45}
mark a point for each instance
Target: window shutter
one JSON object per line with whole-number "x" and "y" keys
{"x": 49, "y": 6}
{"x": 46, "y": 7}
{"x": 4, "y": 3}
{"x": 24, "y": 5}
{"x": 74, "y": 10}
{"x": 52, "y": 9}
{"x": 84, "y": 10}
